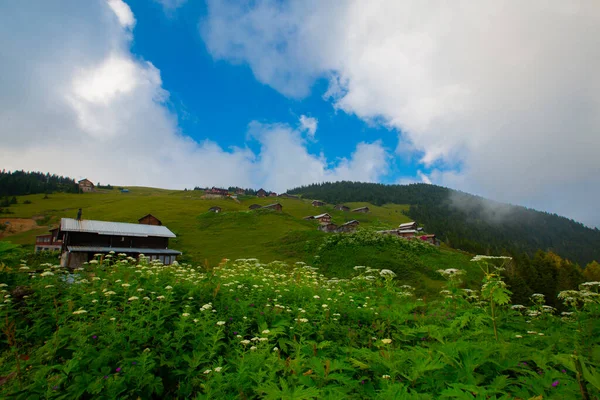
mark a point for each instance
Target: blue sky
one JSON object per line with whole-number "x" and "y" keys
{"x": 216, "y": 99}
{"x": 486, "y": 97}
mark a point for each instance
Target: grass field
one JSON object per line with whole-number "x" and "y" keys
{"x": 236, "y": 232}
{"x": 201, "y": 235}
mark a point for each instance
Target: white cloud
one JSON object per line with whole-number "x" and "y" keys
{"x": 77, "y": 102}
{"x": 123, "y": 12}
{"x": 495, "y": 87}
{"x": 309, "y": 125}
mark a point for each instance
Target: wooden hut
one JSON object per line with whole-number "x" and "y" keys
{"x": 215, "y": 209}
{"x": 261, "y": 193}
{"x": 328, "y": 227}
{"x": 341, "y": 207}
{"x": 408, "y": 225}
{"x": 254, "y": 206}
{"x": 149, "y": 219}
{"x": 317, "y": 203}
{"x": 276, "y": 206}
{"x": 322, "y": 218}
{"x": 349, "y": 226}
{"x": 85, "y": 185}
{"x": 361, "y": 210}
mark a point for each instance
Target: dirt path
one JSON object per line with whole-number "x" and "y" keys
{"x": 17, "y": 225}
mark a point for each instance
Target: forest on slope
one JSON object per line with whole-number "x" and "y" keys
{"x": 17, "y": 183}
{"x": 469, "y": 222}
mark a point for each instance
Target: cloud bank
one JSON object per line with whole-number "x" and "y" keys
{"x": 77, "y": 102}
{"x": 499, "y": 98}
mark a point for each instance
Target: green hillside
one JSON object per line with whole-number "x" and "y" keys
{"x": 237, "y": 232}
{"x": 472, "y": 223}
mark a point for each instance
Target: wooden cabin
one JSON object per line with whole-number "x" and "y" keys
{"x": 82, "y": 239}
{"x": 215, "y": 209}
{"x": 85, "y": 185}
{"x": 276, "y": 206}
{"x": 254, "y": 206}
{"x": 408, "y": 225}
{"x": 49, "y": 242}
{"x": 149, "y": 219}
{"x": 407, "y": 233}
{"x": 272, "y": 194}
{"x": 361, "y": 210}
{"x": 317, "y": 203}
{"x": 349, "y": 226}
{"x": 322, "y": 218}
{"x": 217, "y": 191}
{"x": 328, "y": 227}
{"x": 431, "y": 239}
{"x": 341, "y": 207}
{"x": 261, "y": 193}
{"x": 240, "y": 192}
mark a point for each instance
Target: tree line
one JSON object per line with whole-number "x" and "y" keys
{"x": 18, "y": 183}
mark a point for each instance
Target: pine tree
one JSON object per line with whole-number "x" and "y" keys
{"x": 591, "y": 273}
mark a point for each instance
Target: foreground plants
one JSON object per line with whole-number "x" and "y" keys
{"x": 119, "y": 328}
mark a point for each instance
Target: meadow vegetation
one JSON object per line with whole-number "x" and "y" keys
{"x": 123, "y": 328}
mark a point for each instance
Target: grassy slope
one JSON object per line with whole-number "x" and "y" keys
{"x": 239, "y": 233}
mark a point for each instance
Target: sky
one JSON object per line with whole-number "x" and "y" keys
{"x": 498, "y": 98}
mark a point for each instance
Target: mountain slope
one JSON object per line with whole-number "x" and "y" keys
{"x": 470, "y": 222}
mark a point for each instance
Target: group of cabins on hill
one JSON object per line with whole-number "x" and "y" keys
{"x": 260, "y": 193}
{"x": 81, "y": 240}
{"x": 275, "y": 206}
{"x": 411, "y": 230}
{"x": 326, "y": 225}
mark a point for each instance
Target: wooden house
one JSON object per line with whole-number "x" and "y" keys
{"x": 328, "y": 227}
{"x": 272, "y": 194}
{"x": 215, "y": 209}
{"x": 85, "y": 185}
{"x": 240, "y": 192}
{"x": 254, "y": 206}
{"x": 149, "y": 219}
{"x": 261, "y": 193}
{"x": 322, "y": 218}
{"x": 361, "y": 210}
{"x": 317, "y": 203}
{"x": 49, "y": 242}
{"x": 276, "y": 206}
{"x": 407, "y": 233}
{"x": 349, "y": 226}
{"x": 341, "y": 207}
{"x": 408, "y": 225}
{"x": 82, "y": 239}
{"x": 432, "y": 239}
{"x": 217, "y": 191}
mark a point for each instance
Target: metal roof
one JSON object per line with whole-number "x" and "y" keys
{"x": 407, "y": 224}
{"x": 321, "y": 216}
{"x": 114, "y": 228}
{"x": 97, "y": 249}
{"x": 351, "y": 222}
